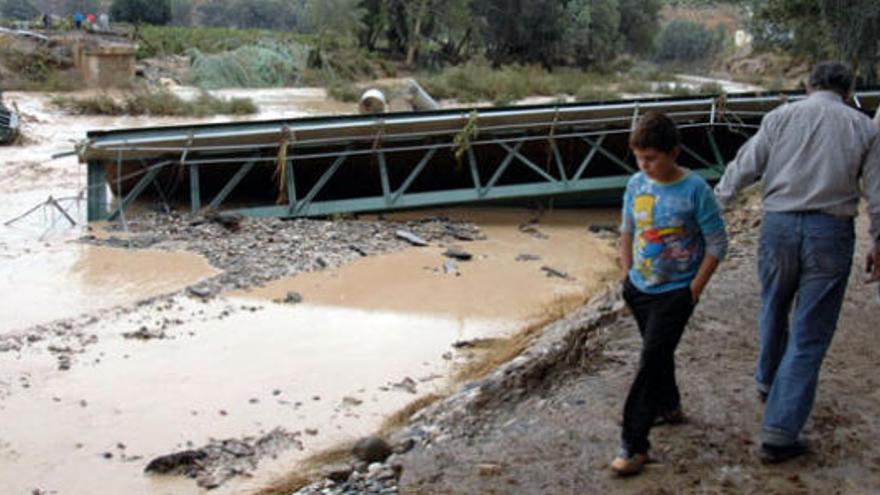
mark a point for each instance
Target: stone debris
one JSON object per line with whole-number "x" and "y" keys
{"x": 407, "y": 384}
{"x": 457, "y": 253}
{"x": 292, "y": 298}
{"x": 411, "y": 238}
{"x": 527, "y": 257}
{"x": 451, "y": 267}
{"x": 553, "y": 272}
{"x": 221, "y": 460}
{"x": 371, "y": 449}
{"x": 144, "y": 333}
{"x": 531, "y": 229}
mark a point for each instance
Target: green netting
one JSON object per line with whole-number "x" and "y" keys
{"x": 264, "y": 65}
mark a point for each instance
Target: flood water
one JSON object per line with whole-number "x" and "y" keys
{"x": 238, "y": 365}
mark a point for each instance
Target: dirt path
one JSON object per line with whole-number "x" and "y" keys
{"x": 560, "y": 437}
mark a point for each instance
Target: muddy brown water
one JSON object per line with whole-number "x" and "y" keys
{"x": 228, "y": 371}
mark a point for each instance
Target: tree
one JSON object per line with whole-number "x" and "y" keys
{"x": 18, "y": 9}
{"x": 342, "y": 17}
{"x": 687, "y": 41}
{"x": 182, "y": 12}
{"x": 525, "y": 31}
{"x": 141, "y": 11}
{"x": 639, "y": 24}
{"x": 819, "y": 29}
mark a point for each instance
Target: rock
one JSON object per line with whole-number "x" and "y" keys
{"x": 450, "y": 267}
{"x": 64, "y": 362}
{"x": 553, "y": 272}
{"x": 144, "y": 333}
{"x": 202, "y": 292}
{"x": 410, "y": 238}
{"x": 489, "y": 470}
{"x": 293, "y": 297}
{"x": 528, "y": 257}
{"x": 407, "y": 384}
{"x": 531, "y": 229}
{"x": 351, "y": 401}
{"x": 176, "y": 463}
{"x": 600, "y": 228}
{"x": 338, "y": 473}
{"x": 458, "y": 254}
{"x": 371, "y": 449}
{"x": 404, "y": 446}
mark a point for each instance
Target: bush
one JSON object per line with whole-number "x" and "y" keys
{"x": 477, "y": 81}
{"x": 156, "y": 103}
{"x": 252, "y": 66}
{"x": 141, "y": 11}
{"x": 177, "y": 40}
{"x": 686, "y": 41}
{"x": 343, "y": 91}
{"x": 22, "y": 10}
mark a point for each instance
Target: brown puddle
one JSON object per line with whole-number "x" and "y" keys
{"x": 282, "y": 366}
{"x": 73, "y": 279}
{"x": 493, "y": 285}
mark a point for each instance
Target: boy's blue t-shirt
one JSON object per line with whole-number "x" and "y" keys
{"x": 670, "y": 224}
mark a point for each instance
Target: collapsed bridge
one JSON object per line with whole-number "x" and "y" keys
{"x": 321, "y": 166}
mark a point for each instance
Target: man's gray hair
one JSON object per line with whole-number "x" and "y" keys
{"x": 832, "y": 76}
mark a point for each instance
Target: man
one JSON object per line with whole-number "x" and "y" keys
{"x": 810, "y": 156}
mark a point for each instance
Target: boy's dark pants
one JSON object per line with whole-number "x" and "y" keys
{"x": 661, "y": 319}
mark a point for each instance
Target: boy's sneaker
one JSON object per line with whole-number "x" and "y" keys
{"x": 673, "y": 417}
{"x": 774, "y": 454}
{"x": 627, "y": 464}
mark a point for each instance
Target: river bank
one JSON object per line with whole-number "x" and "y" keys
{"x": 548, "y": 422}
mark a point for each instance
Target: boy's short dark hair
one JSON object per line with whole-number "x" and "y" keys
{"x": 655, "y": 130}
{"x": 832, "y": 76}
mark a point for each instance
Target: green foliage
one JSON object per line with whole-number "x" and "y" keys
{"x": 167, "y": 40}
{"x": 478, "y": 81}
{"x": 343, "y": 91}
{"x": 141, "y": 11}
{"x": 156, "y": 103}
{"x": 686, "y": 41}
{"x": 595, "y": 93}
{"x": 340, "y": 17}
{"x": 18, "y": 9}
{"x": 253, "y": 14}
{"x": 182, "y": 12}
{"x": 823, "y": 29}
{"x": 523, "y": 31}
{"x": 37, "y": 70}
{"x": 639, "y": 24}
{"x": 251, "y": 66}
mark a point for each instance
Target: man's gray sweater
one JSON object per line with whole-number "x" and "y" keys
{"x": 817, "y": 154}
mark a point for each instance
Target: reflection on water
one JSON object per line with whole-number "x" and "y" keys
{"x": 282, "y": 366}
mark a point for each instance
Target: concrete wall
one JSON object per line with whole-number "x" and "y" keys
{"x": 107, "y": 66}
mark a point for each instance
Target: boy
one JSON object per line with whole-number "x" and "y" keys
{"x": 673, "y": 238}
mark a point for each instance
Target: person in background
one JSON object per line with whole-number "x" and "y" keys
{"x": 672, "y": 240}
{"x": 810, "y": 157}
{"x": 78, "y": 20}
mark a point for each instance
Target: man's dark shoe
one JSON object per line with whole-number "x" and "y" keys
{"x": 774, "y": 454}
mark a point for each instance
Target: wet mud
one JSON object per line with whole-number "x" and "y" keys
{"x": 178, "y": 334}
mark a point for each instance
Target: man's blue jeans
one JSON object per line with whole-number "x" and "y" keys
{"x": 804, "y": 259}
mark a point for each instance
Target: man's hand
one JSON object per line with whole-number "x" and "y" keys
{"x": 872, "y": 264}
